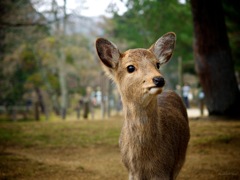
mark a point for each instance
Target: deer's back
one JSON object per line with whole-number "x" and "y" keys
{"x": 173, "y": 127}
{"x": 173, "y": 120}
{"x": 171, "y": 105}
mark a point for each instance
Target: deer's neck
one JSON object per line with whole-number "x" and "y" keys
{"x": 139, "y": 113}
{"x": 140, "y": 123}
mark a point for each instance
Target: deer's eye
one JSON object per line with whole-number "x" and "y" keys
{"x": 130, "y": 68}
{"x": 158, "y": 65}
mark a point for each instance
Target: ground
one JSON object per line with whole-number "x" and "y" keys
{"x": 78, "y": 149}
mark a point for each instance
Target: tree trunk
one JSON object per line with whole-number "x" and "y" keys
{"x": 36, "y": 111}
{"x": 41, "y": 103}
{"x": 63, "y": 84}
{"x": 61, "y": 58}
{"x": 213, "y": 59}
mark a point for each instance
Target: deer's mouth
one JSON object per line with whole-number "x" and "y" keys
{"x": 154, "y": 90}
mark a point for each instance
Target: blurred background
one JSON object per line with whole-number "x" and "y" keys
{"x": 49, "y": 67}
{"x": 61, "y": 117}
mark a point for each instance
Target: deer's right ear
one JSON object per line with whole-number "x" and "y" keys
{"x": 107, "y": 52}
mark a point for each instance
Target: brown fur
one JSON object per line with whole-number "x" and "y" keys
{"x": 155, "y": 133}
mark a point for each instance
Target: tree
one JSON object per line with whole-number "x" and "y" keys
{"x": 145, "y": 21}
{"x": 15, "y": 33}
{"x": 232, "y": 18}
{"x": 33, "y": 61}
{"x": 213, "y": 59}
{"x": 22, "y": 79}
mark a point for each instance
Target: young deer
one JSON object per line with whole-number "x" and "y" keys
{"x": 155, "y": 132}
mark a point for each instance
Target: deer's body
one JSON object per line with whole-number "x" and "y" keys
{"x": 155, "y": 147}
{"x": 155, "y": 132}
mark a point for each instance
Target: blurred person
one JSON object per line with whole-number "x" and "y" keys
{"x": 201, "y": 96}
{"x": 186, "y": 91}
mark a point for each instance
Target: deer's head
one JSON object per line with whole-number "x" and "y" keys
{"x": 136, "y": 71}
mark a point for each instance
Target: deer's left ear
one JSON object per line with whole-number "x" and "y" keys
{"x": 163, "y": 47}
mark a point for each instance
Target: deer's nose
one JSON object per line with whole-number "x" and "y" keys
{"x": 159, "y": 81}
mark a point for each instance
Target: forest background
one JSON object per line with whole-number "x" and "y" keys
{"x": 49, "y": 65}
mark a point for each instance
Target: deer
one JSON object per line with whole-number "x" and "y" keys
{"x": 155, "y": 132}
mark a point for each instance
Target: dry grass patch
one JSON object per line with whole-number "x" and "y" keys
{"x": 89, "y": 150}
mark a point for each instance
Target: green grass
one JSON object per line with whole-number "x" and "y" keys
{"x": 59, "y": 134}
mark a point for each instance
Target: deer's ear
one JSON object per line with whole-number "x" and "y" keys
{"x": 107, "y": 52}
{"x": 163, "y": 47}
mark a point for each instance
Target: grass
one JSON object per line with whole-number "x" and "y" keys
{"x": 59, "y": 134}
{"x": 89, "y": 150}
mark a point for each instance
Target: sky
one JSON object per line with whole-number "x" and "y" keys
{"x": 92, "y": 8}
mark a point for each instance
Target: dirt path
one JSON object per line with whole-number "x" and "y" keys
{"x": 86, "y": 163}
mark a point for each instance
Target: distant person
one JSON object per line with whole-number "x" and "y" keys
{"x": 186, "y": 91}
{"x": 201, "y": 96}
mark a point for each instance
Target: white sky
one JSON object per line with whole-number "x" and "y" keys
{"x": 93, "y": 7}
{"x": 182, "y": 1}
